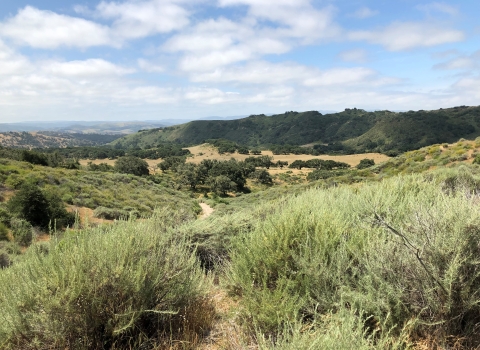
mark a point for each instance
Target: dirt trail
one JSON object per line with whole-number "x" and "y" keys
{"x": 87, "y": 215}
{"x": 225, "y": 333}
{"x": 206, "y": 211}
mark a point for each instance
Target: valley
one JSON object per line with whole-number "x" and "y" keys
{"x": 223, "y": 245}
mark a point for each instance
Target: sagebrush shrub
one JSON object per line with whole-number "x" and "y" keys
{"x": 399, "y": 250}
{"x": 114, "y": 286}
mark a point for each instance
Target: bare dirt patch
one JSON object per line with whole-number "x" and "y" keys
{"x": 225, "y": 333}
{"x": 86, "y": 216}
{"x": 206, "y": 211}
{"x": 43, "y": 237}
{"x": 5, "y": 195}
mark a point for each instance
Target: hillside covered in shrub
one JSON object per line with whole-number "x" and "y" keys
{"x": 388, "y": 265}
{"x": 350, "y": 131}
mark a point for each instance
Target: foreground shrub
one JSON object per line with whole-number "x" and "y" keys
{"x": 109, "y": 287}
{"x": 22, "y": 231}
{"x": 400, "y": 250}
{"x": 343, "y": 330}
{"x": 212, "y": 238}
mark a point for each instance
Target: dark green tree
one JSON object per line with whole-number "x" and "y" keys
{"x": 365, "y": 163}
{"x": 262, "y": 176}
{"x": 297, "y": 164}
{"x": 221, "y": 184}
{"x": 266, "y": 161}
{"x": 39, "y": 208}
{"x": 242, "y": 150}
{"x": 30, "y": 204}
{"x": 188, "y": 175}
{"x": 34, "y": 157}
{"x": 131, "y": 165}
{"x": 171, "y": 163}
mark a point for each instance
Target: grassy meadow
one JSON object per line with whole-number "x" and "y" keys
{"x": 385, "y": 257}
{"x": 207, "y": 151}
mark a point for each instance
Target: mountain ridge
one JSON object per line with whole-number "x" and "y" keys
{"x": 353, "y": 130}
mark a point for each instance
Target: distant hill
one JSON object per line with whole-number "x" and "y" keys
{"x": 100, "y": 127}
{"x": 82, "y": 127}
{"x": 47, "y": 139}
{"x": 353, "y": 130}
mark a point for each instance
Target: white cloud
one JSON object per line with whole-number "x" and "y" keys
{"x": 257, "y": 73}
{"x": 36, "y": 84}
{"x": 445, "y": 54}
{"x": 146, "y": 94}
{"x": 401, "y": 36}
{"x": 131, "y": 19}
{"x": 49, "y": 30}
{"x": 210, "y": 35}
{"x": 222, "y": 60}
{"x": 149, "y": 66}
{"x": 438, "y": 7}
{"x": 83, "y": 10}
{"x": 298, "y": 19}
{"x": 216, "y": 43}
{"x": 460, "y": 62}
{"x": 469, "y": 84}
{"x": 85, "y": 69}
{"x": 215, "y": 59}
{"x": 272, "y": 74}
{"x": 342, "y": 77}
{"x": 355, "y": 55}
{"x": 364, "y": 12}
{"x": 210, "y": 95}
{"x": 271, "y": 27}
{"x": 12, "y": 63}
{"x": 137, "y": 19}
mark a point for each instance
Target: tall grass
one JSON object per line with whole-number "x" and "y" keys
{"x": 110, "y": 287}
{"x": 342, "y": 330}
{"x": 401, "y": 250}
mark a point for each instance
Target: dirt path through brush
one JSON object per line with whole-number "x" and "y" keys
{"x": 206, "y": 211}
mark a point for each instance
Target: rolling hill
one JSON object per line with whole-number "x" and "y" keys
{"x": 353, "y": 130}
{"x": 51, "y": 139}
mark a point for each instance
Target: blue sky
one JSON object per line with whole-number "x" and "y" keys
{"x": 156, "y": 59}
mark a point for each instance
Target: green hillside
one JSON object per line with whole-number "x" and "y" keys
{"x": 353, "y": 130}
{"x": 52, "y": 139}
{"x": 386, "y": 265}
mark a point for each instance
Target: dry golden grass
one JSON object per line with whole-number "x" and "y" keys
{"x": 296, "y": 172}
{"x": 206, "y": 151}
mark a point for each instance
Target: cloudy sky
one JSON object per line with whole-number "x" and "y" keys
{"x": 154, "y": 59}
